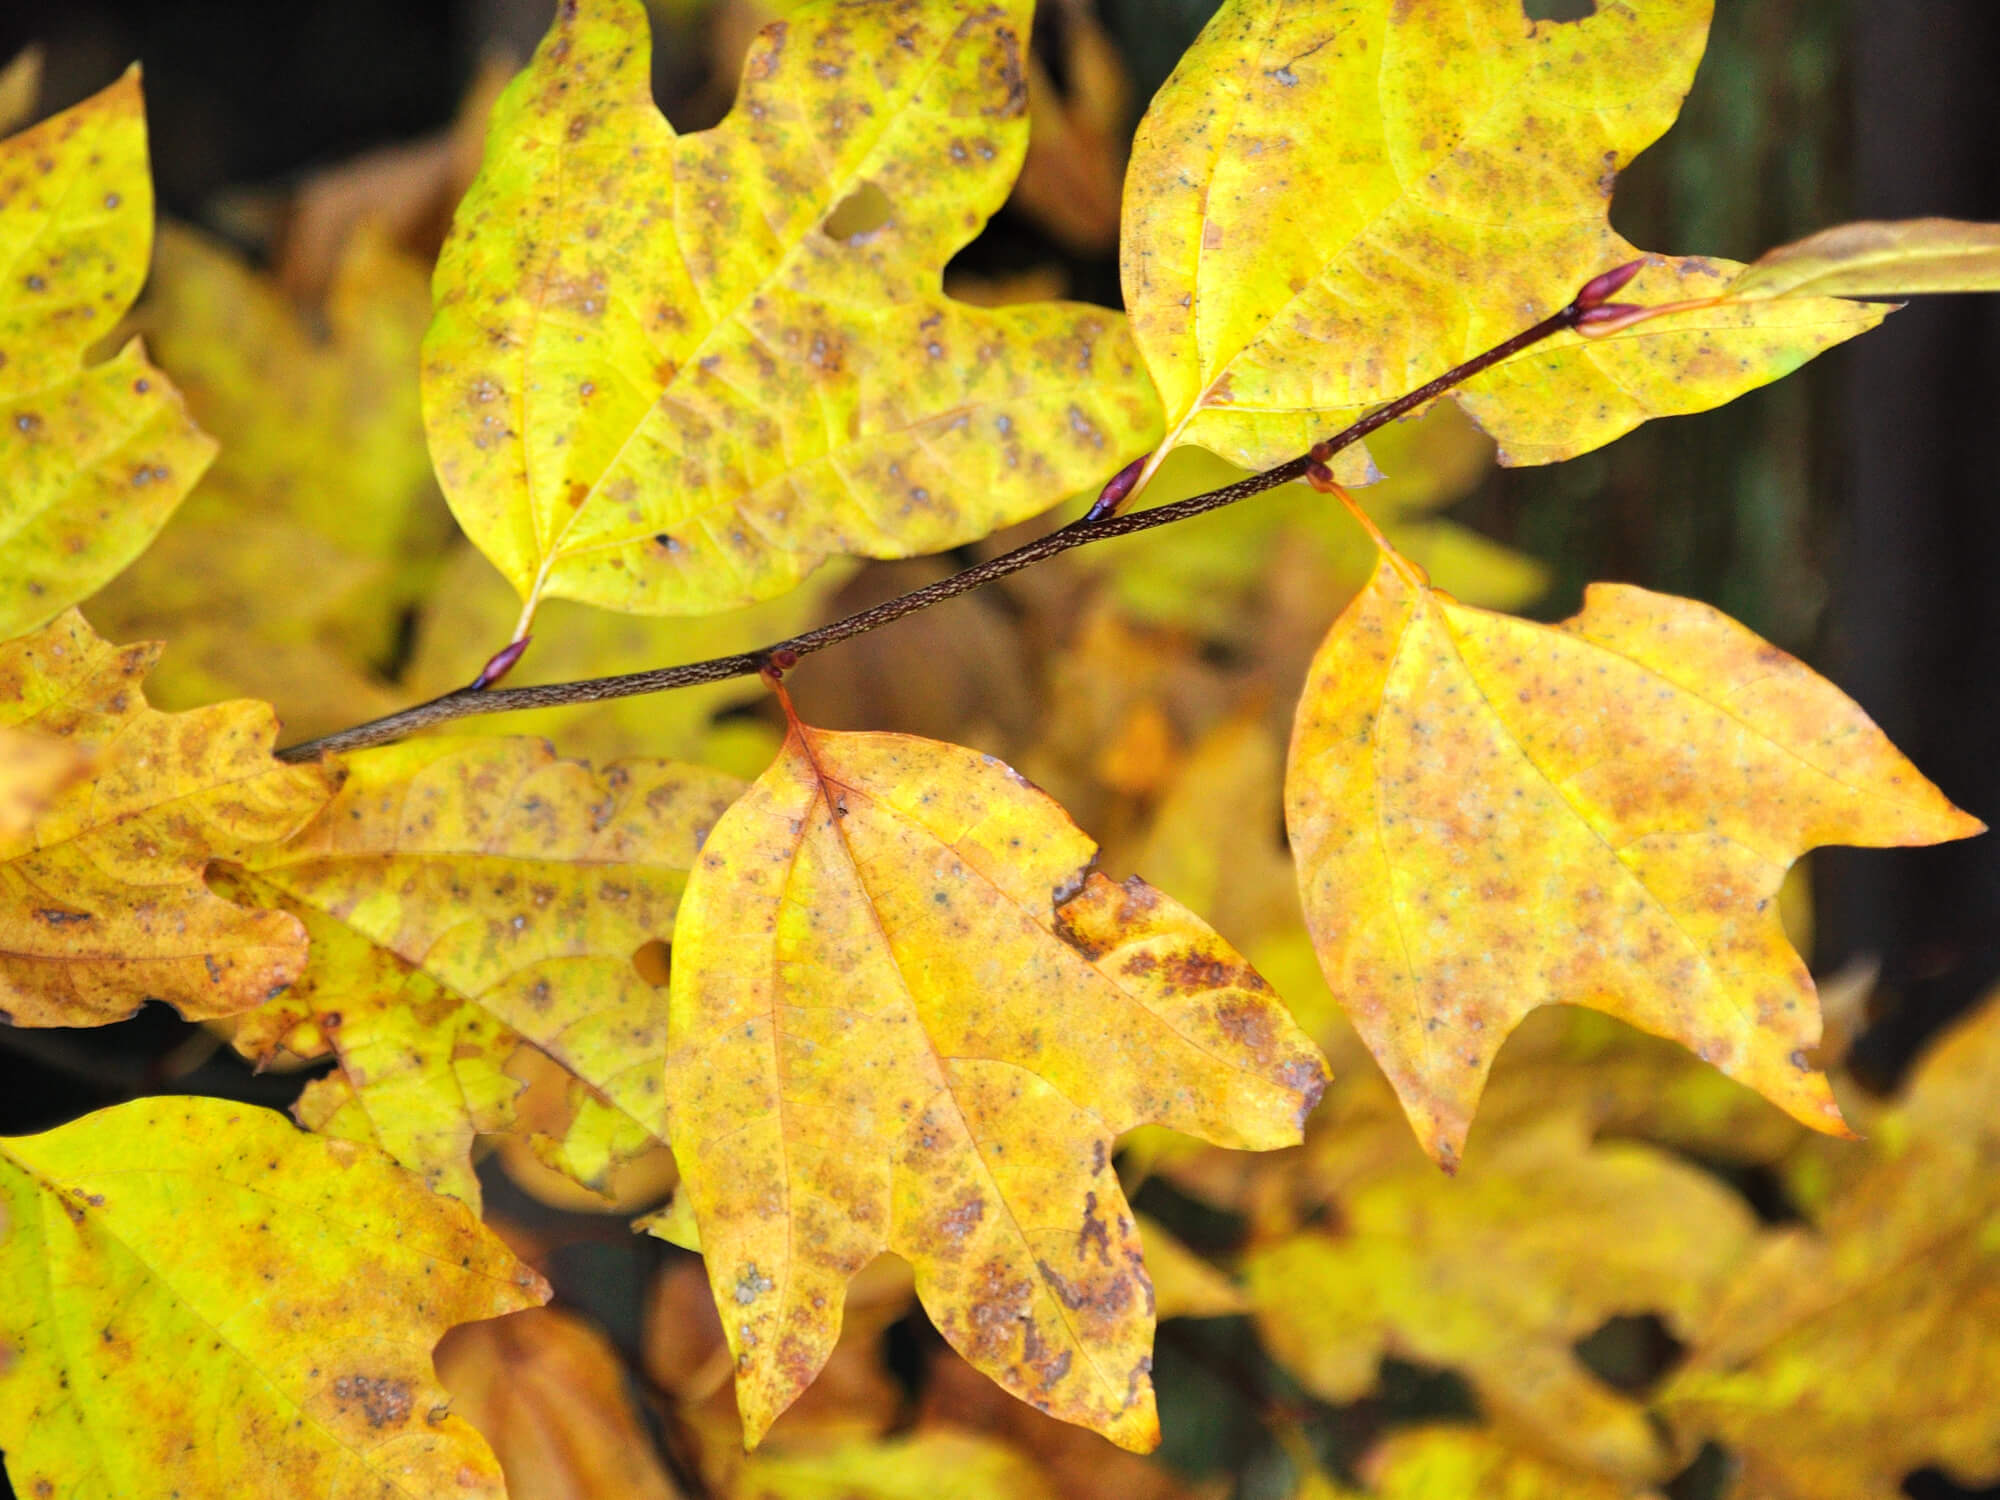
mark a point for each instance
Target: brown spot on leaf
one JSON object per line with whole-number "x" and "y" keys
{"x": 383, "y": 1402}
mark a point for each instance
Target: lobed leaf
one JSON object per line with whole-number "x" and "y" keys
{"x": 1330, "y": 204}
{"x": 102, "y": 904}
{"x": 96, "y": 457}
{"x": 1490, "y": 815}
{"x": 1878, "y": 259}
{"x": 204, "y": 1301}
{"x": 907, "y": 1016}
{"x": 463, "y": 895}
{"x": 666, "y": 376}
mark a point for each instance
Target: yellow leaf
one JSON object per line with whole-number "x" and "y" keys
{"x": 1498, "y": 1273}
{"x": 102, "y": 904}
{"x": 920, "y": 1466}
{"x": 1847, "y": 1355}
{"x": 658, "y": 381}
{"x": 289, "y": 571}
{"x": 1330, "y": 204}
{"x": 20, "y": 86}
{"x": 1878, "y": 259}
{"x": 96, "y": 457}
{"x": 1185, "y": 1285}
{"x": 549, "y": 1393}
{"x": 906, "y": 1015}
{"x": 203, "y": 1301}
{"x": 486, "y": 890}
{"x": 33, "y": 768}
{"x": 1490, "y": 815}
{"x": 1457, "y": 1463}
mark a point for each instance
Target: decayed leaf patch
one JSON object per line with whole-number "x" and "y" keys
{"x": 906, "y": 1015}
{"x": 1490, "y": 815}
{"x": 102, "y": 904}
{"x": 204, "y": 1301}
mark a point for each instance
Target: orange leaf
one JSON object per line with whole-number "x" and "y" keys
{"x": 1491, "y": 815}
{"x": 905, "y": 1014}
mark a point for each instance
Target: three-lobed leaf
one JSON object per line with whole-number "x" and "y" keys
{"x": 1490, "y": 815}
{"x": 97, "y": 456}
{"x": 666, "y": 376}
{"x": 1329, "y": 204}
{"x": 201, "y": 1300}
{"x": 102, "y": 901}
{"x": 906, "y": 1015}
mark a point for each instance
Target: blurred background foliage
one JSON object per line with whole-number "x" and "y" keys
{"x": 313, "y": 151}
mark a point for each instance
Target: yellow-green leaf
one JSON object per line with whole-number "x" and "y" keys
{"x": 96, "y": 457}
{"x": 1329, "y": 204}
{"x": 201, "y": 1300}
{"x": 908, "y": 1016}
{"x": 102, "y": 904}
{"x": 1499, "y": 1272}
{"x": 463, "y": 892}
{"x": 1878, "y": 259}
{"x": 1490, "y": 815}
{"x": 666, "y": 375}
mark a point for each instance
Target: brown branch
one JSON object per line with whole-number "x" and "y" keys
{"x": 468, "y": 701}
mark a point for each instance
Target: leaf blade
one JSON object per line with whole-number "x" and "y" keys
{"x": 1001, "y": 1015}
{"x": 1878, "y": 259}
{"x": 678, "y": 418}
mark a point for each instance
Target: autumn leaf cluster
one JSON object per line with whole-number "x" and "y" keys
{"x": 814, "y": 974}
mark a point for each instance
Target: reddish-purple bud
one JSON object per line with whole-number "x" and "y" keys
{"x": 1320, "y": 453}
{"x": 1601, "y": 289}
{"x": 1607, "y": 312}
{"x": 1320, "y": 477}
{"x": 498, "y": 665}
{"x": 784, "y": 658}
{"x": 1116, "y": 489}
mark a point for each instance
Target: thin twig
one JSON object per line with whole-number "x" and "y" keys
{"x": 467, "y": 701}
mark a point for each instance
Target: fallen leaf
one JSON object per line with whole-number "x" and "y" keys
{"x": 1328, "y": 205}
{"x": 920, "y": 1466}
{"x": 102, "y": 904}
{"x": 488, "y": 891}
{"x": 20, "y": 87}
{"x": 673, "y": 374}
{"x": 1490, "y": 815}
{"x": 1877, "y": 259}
{"x": 1455, "y": 1463}
{"x": 1499, "y": 1273}
{"x": 548, "y": 1392}
{"x": 96, "y": 456}
{"x": 204, "y": 1301}
{"x": 1185, "y": 1285}
{"x": 288, "y": 573}
{"x": 906, "y": 1015}
{"x": 1851, "y": 1352}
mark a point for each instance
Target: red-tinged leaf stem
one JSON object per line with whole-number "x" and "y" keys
{"x": 777, "y": 657}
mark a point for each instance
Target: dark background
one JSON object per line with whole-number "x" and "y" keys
{"x": 1848, "y": 513}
